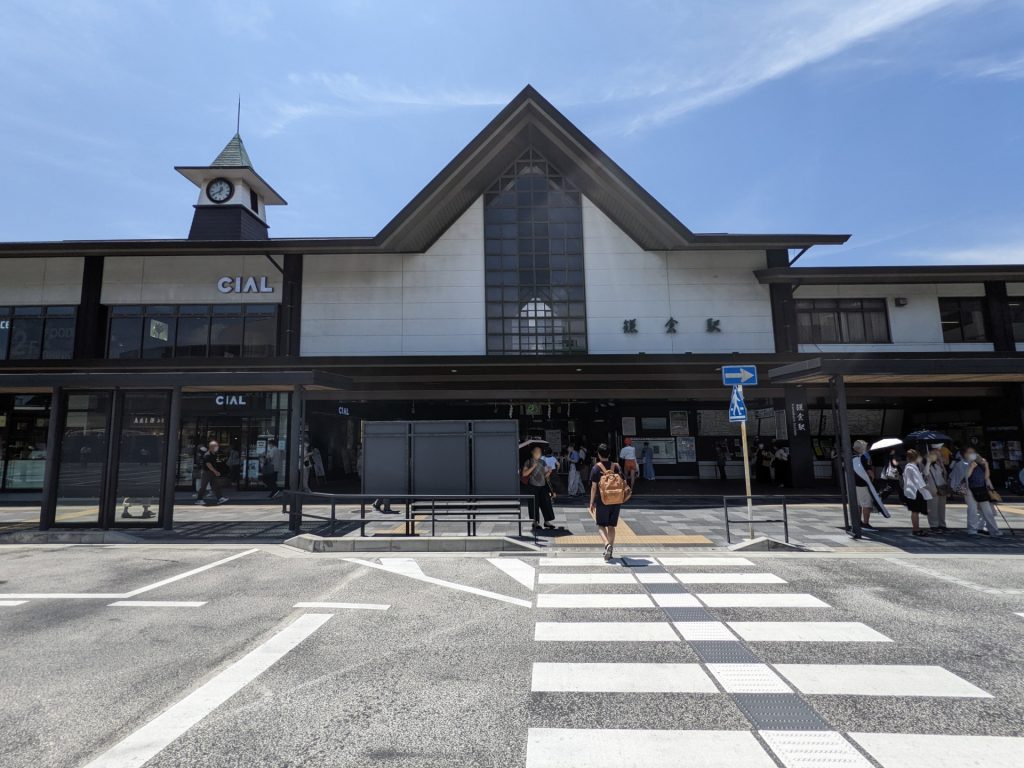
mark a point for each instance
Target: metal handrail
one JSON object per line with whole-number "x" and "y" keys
{"x": 748, "y": 500}
{"x": 470, "y": 502}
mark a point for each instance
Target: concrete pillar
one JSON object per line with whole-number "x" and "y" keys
{"x": 846, "y": 452}
{"x": 48, "y": 507}
{"x": 171, "y": 460}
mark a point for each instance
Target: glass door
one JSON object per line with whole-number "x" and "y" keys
{"x": 142, "y": 447}
{"x": 82, "y": 467}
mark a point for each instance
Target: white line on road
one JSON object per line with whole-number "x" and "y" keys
{"x": 443, "y": 583}
{"x": 573, "y": 562}
{"x": 760, "y": 600}
{"x": 807, "y": 632}
{"x": 356, "y": 606}
{"x": 586, "y": 578}
{"x": 605, "y": 632}
{"x": 694, "y": 561}
{"x": 522, "y": 572}
{"x": 912, "y": 750}
{"x": 621, "y": 678}
{"x": 878, "y": 680}
{"x": 155, "y": 604}
{"x": 153, "y": 737}
{"x": 703, "y": 630}
{"x": 11, "y": 603}
{"x": 636, "y": 748}
{"x": 403, "y": 565}
{"x": 655, "y": 578}
{"x": 675, "y": 600}
{"x": 729, "y": 578}
{"x": 594, "y": 601}
{"x": 185, "y": 575}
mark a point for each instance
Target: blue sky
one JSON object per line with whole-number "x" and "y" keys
{"x": 899, "y": 121}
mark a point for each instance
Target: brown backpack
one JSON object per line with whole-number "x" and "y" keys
{"x": 612, "y": 486}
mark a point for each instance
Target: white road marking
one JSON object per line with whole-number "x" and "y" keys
{"x": 878, "y": 680}
{"x": 448, "y": 584}
{"x": 622, "y": 678}
{"x": 1021, "y": 615}
{"x": 355, "y": 606}
{"x": 704, "y": 630}
{"x": 185, "y": 575}
{"x": 635, "y": 748}
{"x": 695, "y": 561}
{"x": 11, "y": 603}
{"x": 150, "y": 739}
{"x": 156, "y": 604}
{"x": 571, "y": 562}
{"x": 605, "y": 631}
{"x": 675, "y": 600}
{"x": 805, "y": 749}
{"x": 655, "y": 578}
{"x": 586, "y": 578}
{"x": 593, "y": 601}
{"x": 760, "y": 600}
{"x": 748, "y": 678}
{"x": 912, "y": 750}
{"x": 403, "y": 565}
{"x": 119, "y": 595}
{"x": 522, "y": 572}
{"x": 807, "y": 632}
{"x": 729, "y": 578}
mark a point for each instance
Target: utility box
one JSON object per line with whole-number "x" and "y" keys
{"x": 444, "y": 458}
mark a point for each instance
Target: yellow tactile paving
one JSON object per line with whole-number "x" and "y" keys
{"x": 626, "y": 535}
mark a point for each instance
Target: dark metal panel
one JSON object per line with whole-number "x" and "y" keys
{"x": 440, "y": 457}
{"x": 386, "y": 457}
{"x": 171, "y": 461}
{"x": 496, "y": 456}
{"x": 54, "y": 439}
{"x": 226, "y": 222}
{"x": 91, "y": 317}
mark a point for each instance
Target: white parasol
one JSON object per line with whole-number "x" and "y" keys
{"x": 885, "y": 442}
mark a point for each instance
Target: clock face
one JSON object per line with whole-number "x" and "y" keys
{"x": 219, "y": 190}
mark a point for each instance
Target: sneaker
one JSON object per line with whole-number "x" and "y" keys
{"x": 866, "y": 527}
{"x": 607, "y": 553}
{"x": 983, "y": 532}
{"x": 222, "y": 500}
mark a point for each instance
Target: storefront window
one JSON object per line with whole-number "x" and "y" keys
{"x": 192, "y": 330}
{"x": 33, "y": 333}
{"x": 963, "y": 320}
{"x": 24, "y": 421}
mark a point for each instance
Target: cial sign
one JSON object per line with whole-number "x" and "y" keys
{"x": 5, "y": 325}
{"x": 251, "y": 284}
{"x": 236, "y": 400}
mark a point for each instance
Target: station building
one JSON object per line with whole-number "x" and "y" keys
{"x": 532, "y": 279}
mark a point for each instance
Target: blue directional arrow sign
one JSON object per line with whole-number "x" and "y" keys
{"x": 744, "y": 375}
{"x": 737, "y": 408}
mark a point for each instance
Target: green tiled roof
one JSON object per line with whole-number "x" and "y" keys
{"x": 233, "y": 155}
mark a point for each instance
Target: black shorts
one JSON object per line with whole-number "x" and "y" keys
{"x": 918, "y": 504}
{"x": 607, "y": 517}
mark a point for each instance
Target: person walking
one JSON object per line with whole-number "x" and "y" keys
{"x": 721, "y": 456}
{"x": 214, "y": 471}
{"x": 575, "y": 481}
{"x": 536, "y": 472}
{"x": 647, "y": 459}
{"x": 781, "y": 465}
{"x": 937, "y": 480}
{"x": 271, "y": 468}
{"x": 977, "y": 492}
{"x": 763, "y": 460}
{"x": 628, "y": 458}
{"x": 606, "y": 513}
{"x": 915, "y": 491}
{"x": 863, "y": 480}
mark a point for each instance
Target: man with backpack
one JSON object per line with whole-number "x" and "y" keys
{"x": 608, "y": 490}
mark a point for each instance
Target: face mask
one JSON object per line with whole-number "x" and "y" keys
{"x": 971, "y": 457}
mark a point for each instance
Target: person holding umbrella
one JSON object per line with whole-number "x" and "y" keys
{"x": 534, "y": 476}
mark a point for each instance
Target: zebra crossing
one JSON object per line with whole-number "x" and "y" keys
{"x": 707, "y": 667}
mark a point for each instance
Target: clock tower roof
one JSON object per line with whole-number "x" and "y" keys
{"x": 233, "y": 155}
{"x": 234, "y": 164}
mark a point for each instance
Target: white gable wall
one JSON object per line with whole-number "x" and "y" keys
{"x": 916, "y": 327}
{"x": 626, "y": 282}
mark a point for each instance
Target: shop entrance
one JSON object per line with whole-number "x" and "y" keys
{"x": 110, "y": 458}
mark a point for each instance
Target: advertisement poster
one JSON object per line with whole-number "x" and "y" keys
{"x": 664, "y": 448}
{"x": 1013, "y": 449}
{"x": 653, "y": 423}
{"x": 679, "y": 423}
{"x": 554, "y": 438}
{"x": 629, "y": 425}
{"x": 686, "y": 450}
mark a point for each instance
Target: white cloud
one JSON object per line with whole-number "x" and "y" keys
{"x": 793, "y": 36}
{"x": 352, "y": 89}
{"x": 994, "y": 253}
{"x": 1000, "y": 69}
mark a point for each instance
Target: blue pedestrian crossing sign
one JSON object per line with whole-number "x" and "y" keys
{"x": 744, "y": 375}
{"x": 737, "y": 408}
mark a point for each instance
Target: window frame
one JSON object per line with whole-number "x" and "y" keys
{"x": 964, "y": 307}
{"x": 821, "y": 309}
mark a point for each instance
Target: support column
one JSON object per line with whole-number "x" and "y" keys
{"x": 171, "y": 460}
{"x": 801, "y": 452}
{"x": 783, "y": 306}
{"x": 91, "y": 317}
{"x": 295, "y": 449}
{"x": 846, "y": 452}
{"x": 290, "y": 323}
{"x": 48, "y": 507}
{"x": 997, "y": 317}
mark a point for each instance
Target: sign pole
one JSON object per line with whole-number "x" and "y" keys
{"x": 746, "y": 471}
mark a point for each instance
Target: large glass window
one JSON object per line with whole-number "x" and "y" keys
{"x": 842, "y": 321}
{"x": 963, "y": 320}
{"x": 33, "y": 333}
{"x": 1017, "y": 317}
{"x": 533, "y": 251}
{"x": 192, "y": 330}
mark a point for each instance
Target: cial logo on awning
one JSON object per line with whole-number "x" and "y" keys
{"x": 242, "y": 284}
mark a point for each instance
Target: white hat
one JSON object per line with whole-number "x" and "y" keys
{"x": 937, "y": 445}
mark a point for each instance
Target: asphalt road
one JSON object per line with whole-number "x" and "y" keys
{"x": 450, "y": 673}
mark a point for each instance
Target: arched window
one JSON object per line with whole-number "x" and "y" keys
{"x": 533, "y": 239}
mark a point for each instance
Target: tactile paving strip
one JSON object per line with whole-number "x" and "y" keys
{"x": 780, "y": 712}
{"x": 748, "y": 678}
{"x": 704, "y": 630}
{"x": 664, "y": 588}
{"x": 723, "y": 652}
{"x": 688, "y": 614}
{"x": 810, "y": 749}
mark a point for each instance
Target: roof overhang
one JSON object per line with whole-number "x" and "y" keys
{"x": 902, "y": 370}
{"x": 892, "y": 275}
{"x": 200, "y": 174}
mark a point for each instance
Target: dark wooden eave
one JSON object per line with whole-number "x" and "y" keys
{"x": 892, "y": 275}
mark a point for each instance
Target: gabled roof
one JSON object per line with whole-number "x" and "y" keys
{"x": 233, "y": 155}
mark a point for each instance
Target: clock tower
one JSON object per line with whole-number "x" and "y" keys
{"x": 232, "y": 197}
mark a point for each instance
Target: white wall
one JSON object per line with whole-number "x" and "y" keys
{"x": 185, "y": 279}
{"x": 41, "y": 281}
{"x": 624, "y": 282}
{"x": 915, "y": 327}
{"x": 399, "y": 304}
